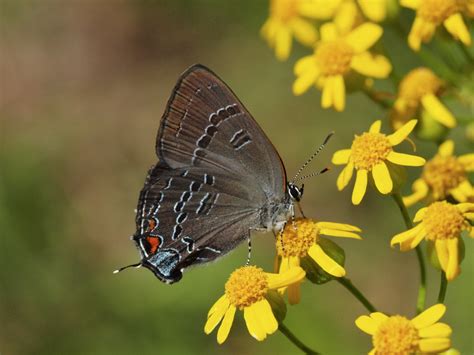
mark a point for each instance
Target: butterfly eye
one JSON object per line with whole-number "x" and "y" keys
{"x": 294, "y": 192}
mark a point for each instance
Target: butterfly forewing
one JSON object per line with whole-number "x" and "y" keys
{"x": 217, "y": 178}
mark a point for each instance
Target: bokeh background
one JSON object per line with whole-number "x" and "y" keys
{"x": 83, "y": 87}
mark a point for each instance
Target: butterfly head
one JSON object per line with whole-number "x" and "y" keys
{"x": 294, "y": 191}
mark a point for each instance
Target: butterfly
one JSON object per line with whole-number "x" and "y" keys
{"x": 218, "y": 177}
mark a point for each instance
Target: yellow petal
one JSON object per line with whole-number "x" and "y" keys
{"x": 469, "y": 216}
{"x": 304, "y": 64}
{"x": 339, "y": 93}
{"x": 339, "y": 233}
{"x": 367, "y": 324}
{"x": 364, "y": 36}
{"x": 420, "y": 214}
{"x": 254, "y": 326}
{"x": 467, "y": 160}
{"x": 434, "y": 345}
{"x": 338, "y": 226}
{"x": 439, "y": 112}
{"x": 378, "y": 316}
{"x": 326, "y": 263}
{"x": 415, "y": 35}
{"x": 304, "y": 31}
{"x": 405, "y": 159}
{"x": 418, "y": 238}
{"x": 283, "y": 43}
{"x": 456, "y": 26}
{"x": 265, "y": 315}
{"x": 359, "y": 187}
{"x": 292, "y": 275}
{"x": 441, "y": 247}
{"x": 375, "y": 127}
{"x": 341, "y": 157}
{"x": 305, "y": 80}
{"x": 216, "y": 313}
{"x": 406, "y": 235}
{"x": 345, "y": 176}
{"x": 412, "y": 4}
{"x": 437, "y": 330}
{"x": 375, "y": 10}
{"x": 373, "y": 65}
{"x": 328, "y": 32}
{"x": 327, "y": 96}
{"x": 321, "y": 10}
{"x": 465, "y": 207}
{"x": 420, "y": 189}
{"x": 446, "y": 149}
{"x": 294, "y": 293}
{"x": 453, "y": 268}
{"x": 346, "y": 16}
{"x": 382, "y": 178}
{"x": 429, "y": 316}
{"x": 403, "y": 132}
{"x": 226, "y": 324}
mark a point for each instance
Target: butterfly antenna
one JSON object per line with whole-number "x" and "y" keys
{"x": 313, "y": 174}
{"x": 137, "y": 265}
{"x": 320, "y": 148}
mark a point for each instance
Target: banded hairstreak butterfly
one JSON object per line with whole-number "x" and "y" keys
{"x": 218, "y": 178}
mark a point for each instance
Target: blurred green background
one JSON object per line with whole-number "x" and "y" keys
{"x": 83, "y": 87}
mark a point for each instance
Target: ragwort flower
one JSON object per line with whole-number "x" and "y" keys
{"x": 444, "y": 175}
{"x": 286, "y": 21}
{"x": 336, "y": 56}
{"x": 421, "y": 88}
{"x": 440, "y": 223}
{"x": 370, "y": 153}
{"x": 397, "y": 335}
{"x": 246, "y": 290}
{"x": 432, "y": 13}
{"x": 301, "y": 239}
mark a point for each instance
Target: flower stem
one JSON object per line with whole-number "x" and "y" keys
{"x": 443, "y": 286}
{"x": 357, "y": 294}
{"x": 291, "y": 337}
{"x": 420, "y": 304}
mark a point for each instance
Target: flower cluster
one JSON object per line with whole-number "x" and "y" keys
{"x": 346, "y": 51}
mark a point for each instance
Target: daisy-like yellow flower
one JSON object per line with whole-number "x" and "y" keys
{"x": 440, "y": 223}
{"x": 444, "y": 175}
{"x": 301, "y": 239}
{"x": 432, "y": 13}
{"x": 286, "y": 21}
{"x": 398, "y": 335}
{"x": 246, "y": 290}
{"x": 334, "y": 57}
{"x": 421, "y": 88}
{"x": 370, "y": 153}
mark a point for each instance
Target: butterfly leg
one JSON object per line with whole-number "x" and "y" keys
{"x": 249, "y": 243}
{"x": 301, "y": 210}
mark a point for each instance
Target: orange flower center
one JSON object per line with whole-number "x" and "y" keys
{"x": 396, "y": 336}
{"x": 436, "y": 11}
{"x": 297, "y": 238}
{"x": 443, "y": 220}
{"x": 246, "y": 285}
{"x": 418, "y": 83}
{"x": 370, "y": 149}
{"x": 334, "y": 58}
{"x": 443, "y": 174}
{"x": 284, "y": 10}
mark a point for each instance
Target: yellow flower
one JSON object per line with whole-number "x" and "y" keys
{"x": 421, "y": 87}
{"x": 246, "y": 290}
{"x": 467, "y": 7}
{"x": 432, "y": 13}
{"x": 397, "y": 335}
{"x": 370, "y": 152}
{"x": 444, "y": 175}
{"x": 301, "y": 239}
{"x": 334, "y": 57}
{"x": 286, "y": 21}
{"x": 440, "y": 223}
{"x": 375, "y": 10}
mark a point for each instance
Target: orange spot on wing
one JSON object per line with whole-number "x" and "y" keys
{"x": 154, "y": 244}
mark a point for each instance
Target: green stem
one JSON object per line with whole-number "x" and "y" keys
{"x": 443, "y": 286}
{"x": 420, "y": 304}
{"x": 465, "y": 51}
{"x": 355, "y": 291}
{"x": 291, "y": 337}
